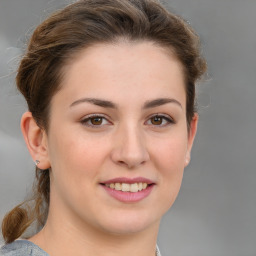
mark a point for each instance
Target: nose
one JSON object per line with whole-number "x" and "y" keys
{"x": 129, "y": 148}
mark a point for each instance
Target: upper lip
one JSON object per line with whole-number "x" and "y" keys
{"x": 128, "y": 180}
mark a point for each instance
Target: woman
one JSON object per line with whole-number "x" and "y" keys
{"x": 110, "y": 87}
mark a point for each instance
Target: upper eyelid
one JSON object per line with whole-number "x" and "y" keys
{"x": 167, "y": 117}
{"x": 105, "y": 116}
{"x": 94, "y": 115}
{"x": 161, "y": 115}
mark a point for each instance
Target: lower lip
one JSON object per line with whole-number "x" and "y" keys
{"x": 129, "y": 197}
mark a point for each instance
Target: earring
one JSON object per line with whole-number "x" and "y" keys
{"x": 37, "y": 162}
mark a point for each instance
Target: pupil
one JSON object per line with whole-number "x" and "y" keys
{"x": 96, "y": 120}
{"x": 157, "y": 120}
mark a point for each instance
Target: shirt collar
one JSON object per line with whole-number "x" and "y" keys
{"x": 157, "y": 251}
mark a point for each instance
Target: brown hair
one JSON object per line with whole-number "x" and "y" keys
{"x": 76, "y": 27}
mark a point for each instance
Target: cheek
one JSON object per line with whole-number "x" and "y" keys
{"x": 170, "y": 155}
{"x": 76, "y": 158}
{"x": 75, "y": 167}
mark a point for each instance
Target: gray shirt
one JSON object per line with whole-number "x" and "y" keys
{"x": 22, "y": 248}
{"x": 27, "y": 248}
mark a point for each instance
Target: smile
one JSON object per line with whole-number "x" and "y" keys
{"x": 126, "y": 187}
{"x": 128, "y": 190}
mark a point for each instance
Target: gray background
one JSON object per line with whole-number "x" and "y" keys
{"x": 215, "y": 213}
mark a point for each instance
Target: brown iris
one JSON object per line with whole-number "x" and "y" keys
{"x": 96, "y": 120}
{"x": 156, "y": 120}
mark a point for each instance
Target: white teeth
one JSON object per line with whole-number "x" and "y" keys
{"x": 134, "y": 187}
{"x": 118, "y": 186}
{"x": 125, "y": 187}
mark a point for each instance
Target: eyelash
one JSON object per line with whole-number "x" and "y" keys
{"x": 85, "y": 121}
{"x": 90, "y": 117}
{"x": 168, "y": 119}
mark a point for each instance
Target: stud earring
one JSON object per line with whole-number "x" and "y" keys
{"x": 37, "y": 162}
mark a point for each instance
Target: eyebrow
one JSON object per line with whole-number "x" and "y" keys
{"x": 109, "y": 104}
{"x": 159, "y": 102}
{"x": 98, "y": 102}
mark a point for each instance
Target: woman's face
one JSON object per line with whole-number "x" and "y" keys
{"x": 118, "y": 141}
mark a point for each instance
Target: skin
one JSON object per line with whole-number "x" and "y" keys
{"x": 126, "y": 142}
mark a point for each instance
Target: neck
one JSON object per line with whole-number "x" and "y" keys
{"x": 60, "y": 237}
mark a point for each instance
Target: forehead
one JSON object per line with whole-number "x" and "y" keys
{"x": 124, "y": 70}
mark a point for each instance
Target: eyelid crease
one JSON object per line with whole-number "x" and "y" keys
{"x": 95, "y": 115}
{"x": 167, "y": 118}
{"x": 162, "y": 115}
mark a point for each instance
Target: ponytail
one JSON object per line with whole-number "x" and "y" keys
{"x": 16, "y": 222}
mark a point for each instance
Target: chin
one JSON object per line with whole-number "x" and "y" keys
{"x": 129, "y": 223}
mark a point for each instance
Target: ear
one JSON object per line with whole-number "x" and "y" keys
{"x": 36, "y": 140}
{"x": 191, "y": 137}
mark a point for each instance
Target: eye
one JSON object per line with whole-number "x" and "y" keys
{"x": 94, "y": 121}
{"x": 160, "y": 120}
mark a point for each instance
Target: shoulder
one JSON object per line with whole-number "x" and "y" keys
{"x": 22, "y": 248}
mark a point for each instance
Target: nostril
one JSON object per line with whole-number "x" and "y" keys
{"x": 126, "y": 164}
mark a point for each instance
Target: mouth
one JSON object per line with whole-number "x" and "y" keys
{"x": 126, "y": 187}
